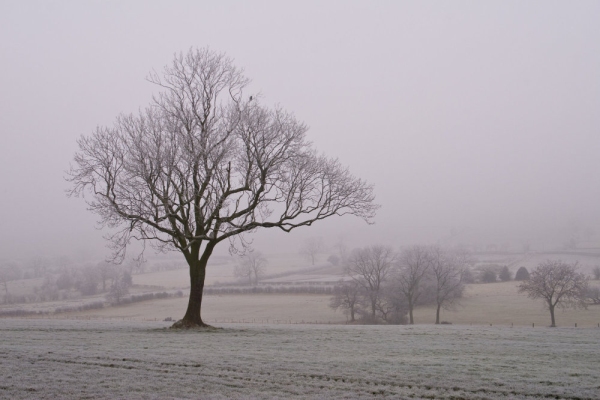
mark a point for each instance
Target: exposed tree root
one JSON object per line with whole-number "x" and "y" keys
{"x": 183, "y": 324}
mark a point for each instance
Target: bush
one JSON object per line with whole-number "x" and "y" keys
{"x": 334, "y": 260}
{"x": 488, "y": 276}
{"x": 596, "y": 272}
{"x": 505, "y": 274}
{"x": 522, "y": 274}
{"x": 468, "y": 276}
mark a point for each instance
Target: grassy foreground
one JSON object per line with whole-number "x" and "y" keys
{"x": 141, "y": 360}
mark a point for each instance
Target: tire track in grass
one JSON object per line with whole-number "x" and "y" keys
{"x": 293, "y": 383}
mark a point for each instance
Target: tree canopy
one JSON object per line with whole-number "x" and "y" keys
{"x": 558, "y": 284}
{"x": 205, "y": 163}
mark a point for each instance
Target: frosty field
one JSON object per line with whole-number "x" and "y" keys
{"x": 142, "y": 360}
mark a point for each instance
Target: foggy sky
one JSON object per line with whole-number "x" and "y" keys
{"x": 474, "y": 119}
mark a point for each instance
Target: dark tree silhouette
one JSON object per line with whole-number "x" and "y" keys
{"x": 201, "y": 165}
{"x": 522, "y": 274}
{"x": 505, "y": 274}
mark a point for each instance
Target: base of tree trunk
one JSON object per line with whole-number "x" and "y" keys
{"x": 185, "y": 324}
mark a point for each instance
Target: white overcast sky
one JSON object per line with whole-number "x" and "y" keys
{"x": 480, "y": 118}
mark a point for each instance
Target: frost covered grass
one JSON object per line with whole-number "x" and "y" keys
{"x": 142, "y": 360}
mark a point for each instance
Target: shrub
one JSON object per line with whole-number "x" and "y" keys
{"x": 505, "y": 274}
{"x": 522, "y": 274}
{"x": 488, "y": 276}
{"x": 468, "y": 276}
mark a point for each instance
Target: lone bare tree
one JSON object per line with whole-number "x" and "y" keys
{"x": 311, "y": 247}
{"x": 414, "y": 264}
{"x": 251, "y": 266}
{"x": 205, "y": 164}
{"x": 369, "y": 268}
{"x": 558, "y": 284}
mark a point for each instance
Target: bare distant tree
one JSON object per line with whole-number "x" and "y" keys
{"x": 311, "y": 247}
{"x": 38, "y": 265}
{"x": 106, "y": 272}
{"x": 596, "y": 272}
{"x": 447, "y": 273}
{"x": 392, "y": 306}
{"x": 136, "y": 264}
{"x": 203, "y": 164}
{"x": 9, "y": 271}
{"x": 414, "y": 263}
{"x": 119, "y": 288}
{"x": 342, "y": 249}
{"x": 369, "y": 268}
{"x": 251, "y": 267}
{"x": 558, "y": 284}
{"x": 346, "y": 296}
{"x": 593, "y": 295}
{"x": 88, "y": 281}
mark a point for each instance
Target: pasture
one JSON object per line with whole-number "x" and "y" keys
{"x": 143, "y": 360}
{"x": 483, "y": 304}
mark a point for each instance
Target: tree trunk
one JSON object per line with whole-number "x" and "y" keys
{"x": 551, "y": 307}
{"x": 410, "y": 311}
{"x": 373, "y": 307}
{"x": 437, "y": 314}
{"x": 193, "y": 316}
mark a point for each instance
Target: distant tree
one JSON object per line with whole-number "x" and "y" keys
{"x": 9, "y": 271}
{"x": 447, "y": 272}
{"x": 392, "y": 306}
{"x": 558, "y": 284}
{"x": 522, "y": 274}
{"x": 342, "y": 249}
{"x": 334, "y": 260}
{"x": 488, "y": 275}
{"x": 119, "y": 287}
{"x": 251, "y": 267}
{"x": 88, "y": 281}
{"x": 369, "y": 267}
{"x": 414, "y": 264}
{"x": 593, "y": 295}
{"x": 346, "y": 296}
{"x": 136, "y": 265}
{"x": 49, "y": 290}
{"x": 468, "y": 276}
{"x": 65, "y": 279}
{"x": 204, "y": 164}
{"x": 106, "y": 272}
{"x": 38, "y": 265}
{"x": 505, "y": 274}
{"x": 311, "y": 248}
{"x": 596, "y": 272}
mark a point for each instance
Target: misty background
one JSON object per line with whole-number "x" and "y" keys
{"x": 477, "y": 122}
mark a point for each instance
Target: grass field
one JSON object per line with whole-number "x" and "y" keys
{"x": 46, "y": 359}
{"x": 483, "y": 304}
